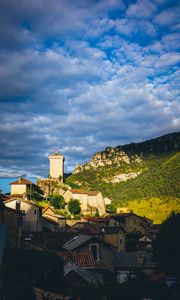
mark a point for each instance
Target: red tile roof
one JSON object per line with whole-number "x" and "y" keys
{"x": 89, "y": 193}
{"x": 80, "y": 258}
{"x": 22, "y": 181}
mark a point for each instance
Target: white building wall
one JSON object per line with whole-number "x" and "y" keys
{"x": 32, "y": 220}
{"x": 18, "y": 189}
{"x": 56, "y": 167}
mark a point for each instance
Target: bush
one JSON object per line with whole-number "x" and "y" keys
{"x": 57, "y": 201}
{"x": 74, "y": 206}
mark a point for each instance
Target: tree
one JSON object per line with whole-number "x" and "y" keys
{"x": 167, "y": 245}
{"x": 74, "y": 206}
{"x": 111, "y": 208}
{"x": 57, "y": 201}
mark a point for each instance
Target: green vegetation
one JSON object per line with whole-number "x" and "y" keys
{"x": 157, "y": 209}
{"x": 74, "y": 206}
{"x": 57, "y": 201}
{"x": 156, "y": 185}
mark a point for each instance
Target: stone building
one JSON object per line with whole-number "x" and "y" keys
{"x": 23, "y": 186}
{"x": 56, "y": 170}
{"x": 90, "y": 201}
{"x": 52, "y": 221}
{"x": 32, "y": 213}
{"x": 114, "y": 236}
{"x": 130, "y": 222}
{"x": 104, "y": 253}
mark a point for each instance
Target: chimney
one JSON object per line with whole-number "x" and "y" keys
{"x": 20, "y": 180}
{"x": 18, "y": 204}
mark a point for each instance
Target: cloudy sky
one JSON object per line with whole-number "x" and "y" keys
{"x": 81, "y": 75}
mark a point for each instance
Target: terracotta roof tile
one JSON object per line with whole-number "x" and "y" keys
{"x": 89, "y": 193}
{"x": 80, "y": 258}
{"x": 22, "y": 181}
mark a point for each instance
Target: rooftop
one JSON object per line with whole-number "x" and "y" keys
{"x": 80, "y": 258}
{"x": 76, "y": 241}
{"x": 56, "y": 153}
{"x": 23, "y": 200}
{"x": 89, "y": 193}
{"x": 22, "y": 181}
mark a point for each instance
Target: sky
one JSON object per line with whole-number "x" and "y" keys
{"x": 80, "y": 75}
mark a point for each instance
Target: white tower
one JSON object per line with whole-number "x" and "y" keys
{"x": 56, "y": 170}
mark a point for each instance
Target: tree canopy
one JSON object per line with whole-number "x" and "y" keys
{"x": 74, "y": 206}
{"x": 57, "y": 201}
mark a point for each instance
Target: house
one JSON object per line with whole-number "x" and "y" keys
{"x": 32, "y": 213}
{"x": 12, "y": 220}
{"x": 77, "y": 277}
{"x": 23, "y": 186}
{"x": 115, "y": 236}
{"x": 132, "y": 264}
{"x": 104, "y": 253}
{"x": 86, "y": 228}
{"x": 53, "y": 221}
{"x": 129, "y": 221}
{"x": 90, "y": 201}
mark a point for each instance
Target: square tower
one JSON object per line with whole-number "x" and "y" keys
{"x": 56, "y": 170}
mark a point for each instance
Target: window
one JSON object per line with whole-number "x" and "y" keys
{"x": 94, "y": 248}
{"x": 120, "y": 241}
{"x": 35, "y": 211}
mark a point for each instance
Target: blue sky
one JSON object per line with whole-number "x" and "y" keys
{"x": 79, "y": 76}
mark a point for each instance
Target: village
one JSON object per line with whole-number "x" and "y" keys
{"x": 95, "y": 249}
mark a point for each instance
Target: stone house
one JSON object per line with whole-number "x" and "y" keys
{"x": 90, "y": 201}
{"x": 132, "y": 264}
{"x": 23, "y": 186}
{"x": 53, "y": 221}
{"x": 130, "y": 222}
{"x": 114, "y": 236}
{"x": 32, "y": 213}
{"x": 104, "y": 253}
{"x": 12, "y": 220}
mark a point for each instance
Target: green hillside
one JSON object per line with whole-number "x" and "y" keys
{"x": 155, "y": 165}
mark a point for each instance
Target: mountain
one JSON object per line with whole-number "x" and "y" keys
{"x": 134, "y": 174}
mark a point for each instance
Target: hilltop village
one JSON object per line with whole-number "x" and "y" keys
{"x": 98, "y": 250}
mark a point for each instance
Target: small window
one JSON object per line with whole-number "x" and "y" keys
{"x": 35, "y": 211}
{"x": 94, "y": 249}
{"x": 120, "y": 241}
